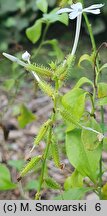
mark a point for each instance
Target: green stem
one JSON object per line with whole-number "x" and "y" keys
{"x": 100, "y": 179}
{"x": 89, "y": 27}
{"x": 93, "y": 106}
{"x": 48, "y": 141}
{"x": 44, "y": 159}
{"x": 42, "y": 40}
{"x": 90, "y": 33}
{"x": 46, "y": 155}
{"x": 102, "y": 118}
{"x": 100, "y": 164}
{"x": 45, "y": 32}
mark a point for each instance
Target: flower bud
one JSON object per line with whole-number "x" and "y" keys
{"x": 26, "y": 56}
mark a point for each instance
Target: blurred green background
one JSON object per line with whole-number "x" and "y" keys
{"x": 17, "y": 15}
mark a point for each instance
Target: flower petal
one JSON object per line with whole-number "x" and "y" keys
{"x": 64, "y": 10}
{"x": 96, "y": 11}
{"x": 74, "y": 14}
{"x": 77, "y": 6}
{"x": 95, "y": 6}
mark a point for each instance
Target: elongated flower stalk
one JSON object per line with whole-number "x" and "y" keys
{"x": 77, "y": 34}
{"x": 44, "y": 86}
{"x": 14, "y": 59}
{"x": 76, "y": 11}
{"x": 25, "y": 57}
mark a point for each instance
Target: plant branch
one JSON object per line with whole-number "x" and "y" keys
{"x": 45, "y": 155}
{"x": 90, "y": 32}
{"x": 44, "y": 159}
{"x": 42, "y": 40}
{"x": 100, "y": 164}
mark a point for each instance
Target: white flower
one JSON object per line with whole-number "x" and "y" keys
{"x": 77, "y": 9}
{"x": 26, "y": 56}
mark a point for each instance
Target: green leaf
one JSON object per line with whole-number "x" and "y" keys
{"x": 18, "y": 164}
{"x": 32, "y": 185}
{"x": 68, "y": 183}
{"x": 74, "y": 194}
{"x": 10, "y": 22}
{"x": 22, "y": 23}
{"x": 103, "y": 67}
{"x": 63, "y": 3}
{"x": 74, "y": 102}
{"x": 74, "y": 181}
{"x": 89, "y": 138}
{"x": 53, "y": 17}
{"x": 9, "y": 84}
{"x": 102, "y": 90}
{"x": 42, "y": 5}
{"x": 101, "y": 101}
{"x": 105, "y": 143}
{"x": 6, "y": 185}
{"x": 34, "y": 32}
{"x": 86, "y": 162}
{"x": 51, "y": 183}
{"x": 104, "y": 192}
{"x": 85, "y": 57}
{"x": 63, "y": 18}
{"x": 51, "y": 2}
{"x": 57, "y": 51}
{"x": 4, "y": 172}
{"x": 5, "y": 179}
{"x": 83, "y": 81}
{"x": 69, "y": 119}
{"x": 26, "y": 116}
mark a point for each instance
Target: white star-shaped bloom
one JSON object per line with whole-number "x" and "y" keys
{"x": 77, "y": 9}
